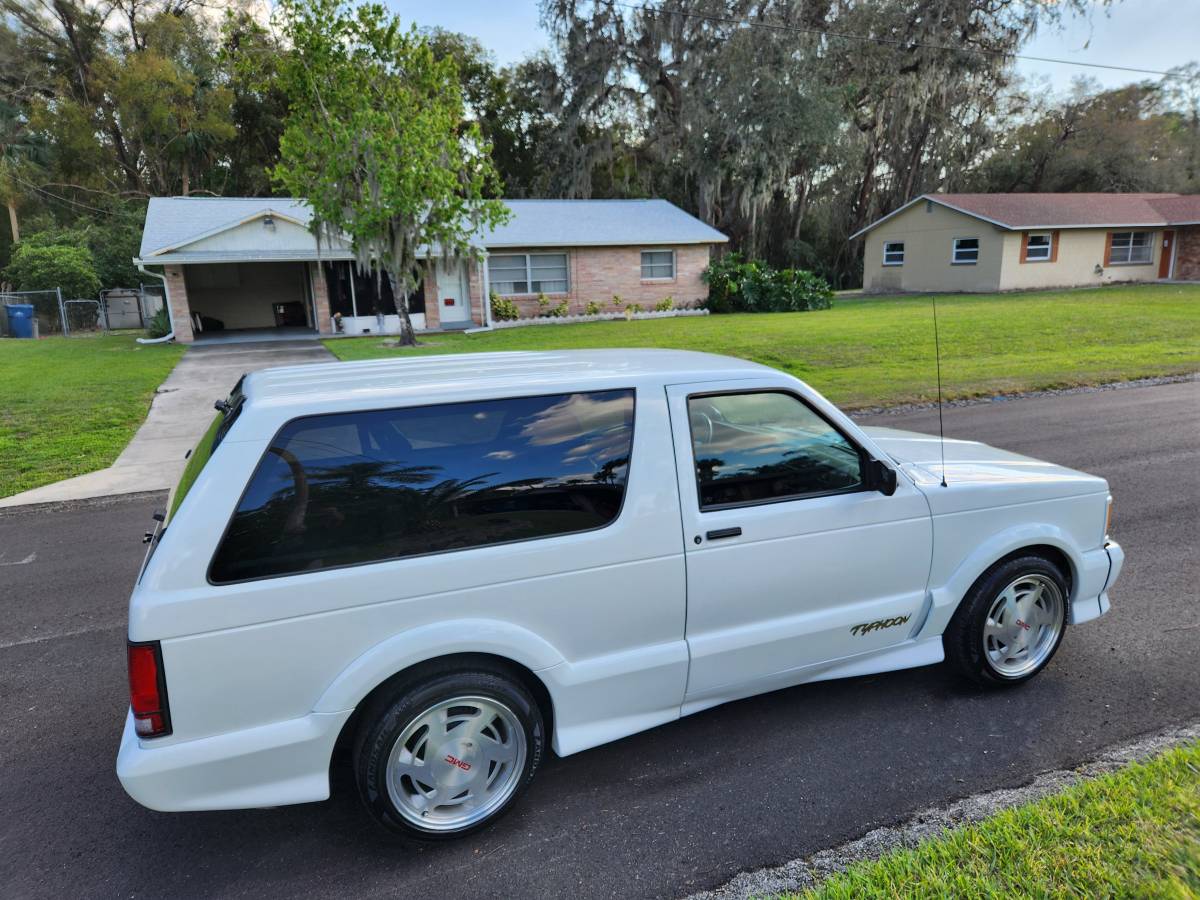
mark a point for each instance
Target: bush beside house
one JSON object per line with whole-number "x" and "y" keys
{"x": 735, "y": 285}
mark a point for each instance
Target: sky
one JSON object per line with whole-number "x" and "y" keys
{"x": 1150, "y": 34}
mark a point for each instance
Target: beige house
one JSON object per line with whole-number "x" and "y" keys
{"x": 249, "y": 268}
{"x": 1001, "y": 242}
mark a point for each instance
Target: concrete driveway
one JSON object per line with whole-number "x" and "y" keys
{"x": 180, "y": 414}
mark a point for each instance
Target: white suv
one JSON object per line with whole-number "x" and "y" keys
{"x": 448, "y": 561}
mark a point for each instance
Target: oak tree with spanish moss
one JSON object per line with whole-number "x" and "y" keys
{"x": 376, "y": 141}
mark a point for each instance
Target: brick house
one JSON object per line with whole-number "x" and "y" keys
{"x": 252, "y": 266}
{"x": 1000, "y": 242}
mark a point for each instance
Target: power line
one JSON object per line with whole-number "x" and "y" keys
{"x": 896, "y": 42}
{"x": 53, "y": 196}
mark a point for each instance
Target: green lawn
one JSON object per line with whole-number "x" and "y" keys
{"x": 70, "y": 405}
{"x": 1135, "y": 833}
{"x": 879, "y": 351}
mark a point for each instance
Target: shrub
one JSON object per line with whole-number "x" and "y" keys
{"x": 631, "y": 308}
{"x": 561, "y": 310}
{"x": 113, "y": 242}
{"x": 593, "y": 308}
{"x": 666, "y": 304}
{"x": 737, "y": 286}
{"x": 159, "y": 325}
{"x": 72, "y": 269}
{"x": 724, "y": 277}
{"x": 503, "y": 309}
{"x": 543, "y": 302}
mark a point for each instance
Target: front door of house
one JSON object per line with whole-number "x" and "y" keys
{"x": 453, "y": 299}
{"x": 1168, "y": 250}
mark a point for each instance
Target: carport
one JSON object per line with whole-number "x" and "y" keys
{"x": 239, "y": 268}
{"x": 236, "y": 297}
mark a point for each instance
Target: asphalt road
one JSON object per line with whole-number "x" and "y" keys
{"x": 677, "y": 809}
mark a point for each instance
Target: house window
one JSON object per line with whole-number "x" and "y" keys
{"x": 528, "y": 273}
{"x": 893, "y": 253}
{"x": 1130, "y": 248}
{"x": 1038, "y": 246}
{"x": 966, "y": 252}
{"x": 658, "y": 264}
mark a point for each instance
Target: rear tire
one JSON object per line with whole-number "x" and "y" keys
{"x": 1010, "y": 624}
{"x": 448, "y": 754}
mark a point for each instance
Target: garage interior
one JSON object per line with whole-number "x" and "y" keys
{"x": 231, "y": 297}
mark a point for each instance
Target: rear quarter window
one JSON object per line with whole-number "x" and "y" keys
{"x": 195, "y": 464}
{"x": 352, "y": 488}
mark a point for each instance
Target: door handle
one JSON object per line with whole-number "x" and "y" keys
{"x": 723, "y": 533}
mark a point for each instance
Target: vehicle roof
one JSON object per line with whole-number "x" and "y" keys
{"x": 484, "y": 375}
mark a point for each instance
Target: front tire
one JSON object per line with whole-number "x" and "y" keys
{"x": 1010, "y": 624}
{"x": 448, "y": 754}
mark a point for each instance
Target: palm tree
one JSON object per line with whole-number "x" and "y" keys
{"x": 20, "y": 150}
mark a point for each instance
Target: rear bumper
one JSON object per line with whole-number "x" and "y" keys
{"x": 1098, "y": 574}
{"x": 272, "y": 765}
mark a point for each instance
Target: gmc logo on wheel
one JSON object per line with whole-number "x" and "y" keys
{"x": 455, "y": 761}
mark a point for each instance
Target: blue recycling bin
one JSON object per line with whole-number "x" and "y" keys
{"x": 20, "y": 319}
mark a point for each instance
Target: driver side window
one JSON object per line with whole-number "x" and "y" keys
{"x": 767, "y": 446}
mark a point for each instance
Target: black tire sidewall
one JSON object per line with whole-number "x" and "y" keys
{"x": 389, "y": 715}
{"x": 964, "y": 643}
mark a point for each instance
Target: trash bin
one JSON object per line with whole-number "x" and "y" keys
{"x": 20, "y": 319}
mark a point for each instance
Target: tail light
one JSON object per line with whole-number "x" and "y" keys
{"x": 148, "y": 690}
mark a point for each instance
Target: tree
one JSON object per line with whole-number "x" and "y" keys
{"x": 375, "y": 140}
{"x": 20, "y": 152}
{"x": 506, "y": 104}
{"x": 72, "y": 269}
{"x": 786, "y": 125}
{"x": 112, "y": 241}
{"x": 1139, "y": 137}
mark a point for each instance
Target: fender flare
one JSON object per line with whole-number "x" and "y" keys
{"x": 946, "y": 597}
{"x": 426, "y": 642}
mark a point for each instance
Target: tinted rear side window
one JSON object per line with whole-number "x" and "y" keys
{"x": 351, "y": 488}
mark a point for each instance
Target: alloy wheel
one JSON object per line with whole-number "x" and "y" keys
{"x": 456, "y": 763}
{"x": 1023, "y": 625}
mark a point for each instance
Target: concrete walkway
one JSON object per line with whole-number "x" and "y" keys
{"x": 181, "y": 412}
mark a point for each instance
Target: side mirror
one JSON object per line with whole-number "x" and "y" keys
{"x": 881, "y": 477}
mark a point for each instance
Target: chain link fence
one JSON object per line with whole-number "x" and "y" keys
{"x": 49, "y": 312}
{"x": 117, "y": 308}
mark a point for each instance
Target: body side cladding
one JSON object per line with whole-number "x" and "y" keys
{"x": 424, "y": 644}
{"x": 946, "y": 597}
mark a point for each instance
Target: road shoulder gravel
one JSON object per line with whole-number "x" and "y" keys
{"x": 808, "y": 872}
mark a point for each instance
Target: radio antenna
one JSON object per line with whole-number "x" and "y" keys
{"x": 937, "y": 352}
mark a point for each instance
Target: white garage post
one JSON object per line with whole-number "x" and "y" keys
{"x": 353, "y": 298}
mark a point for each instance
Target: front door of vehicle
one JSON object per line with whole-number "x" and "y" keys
{"x": 792, "y": 561}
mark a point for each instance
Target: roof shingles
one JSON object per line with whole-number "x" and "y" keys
{"x": 176, "y": 221}
{"x": 1092, "y": 210}
{"x": 1080, "y": 210}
